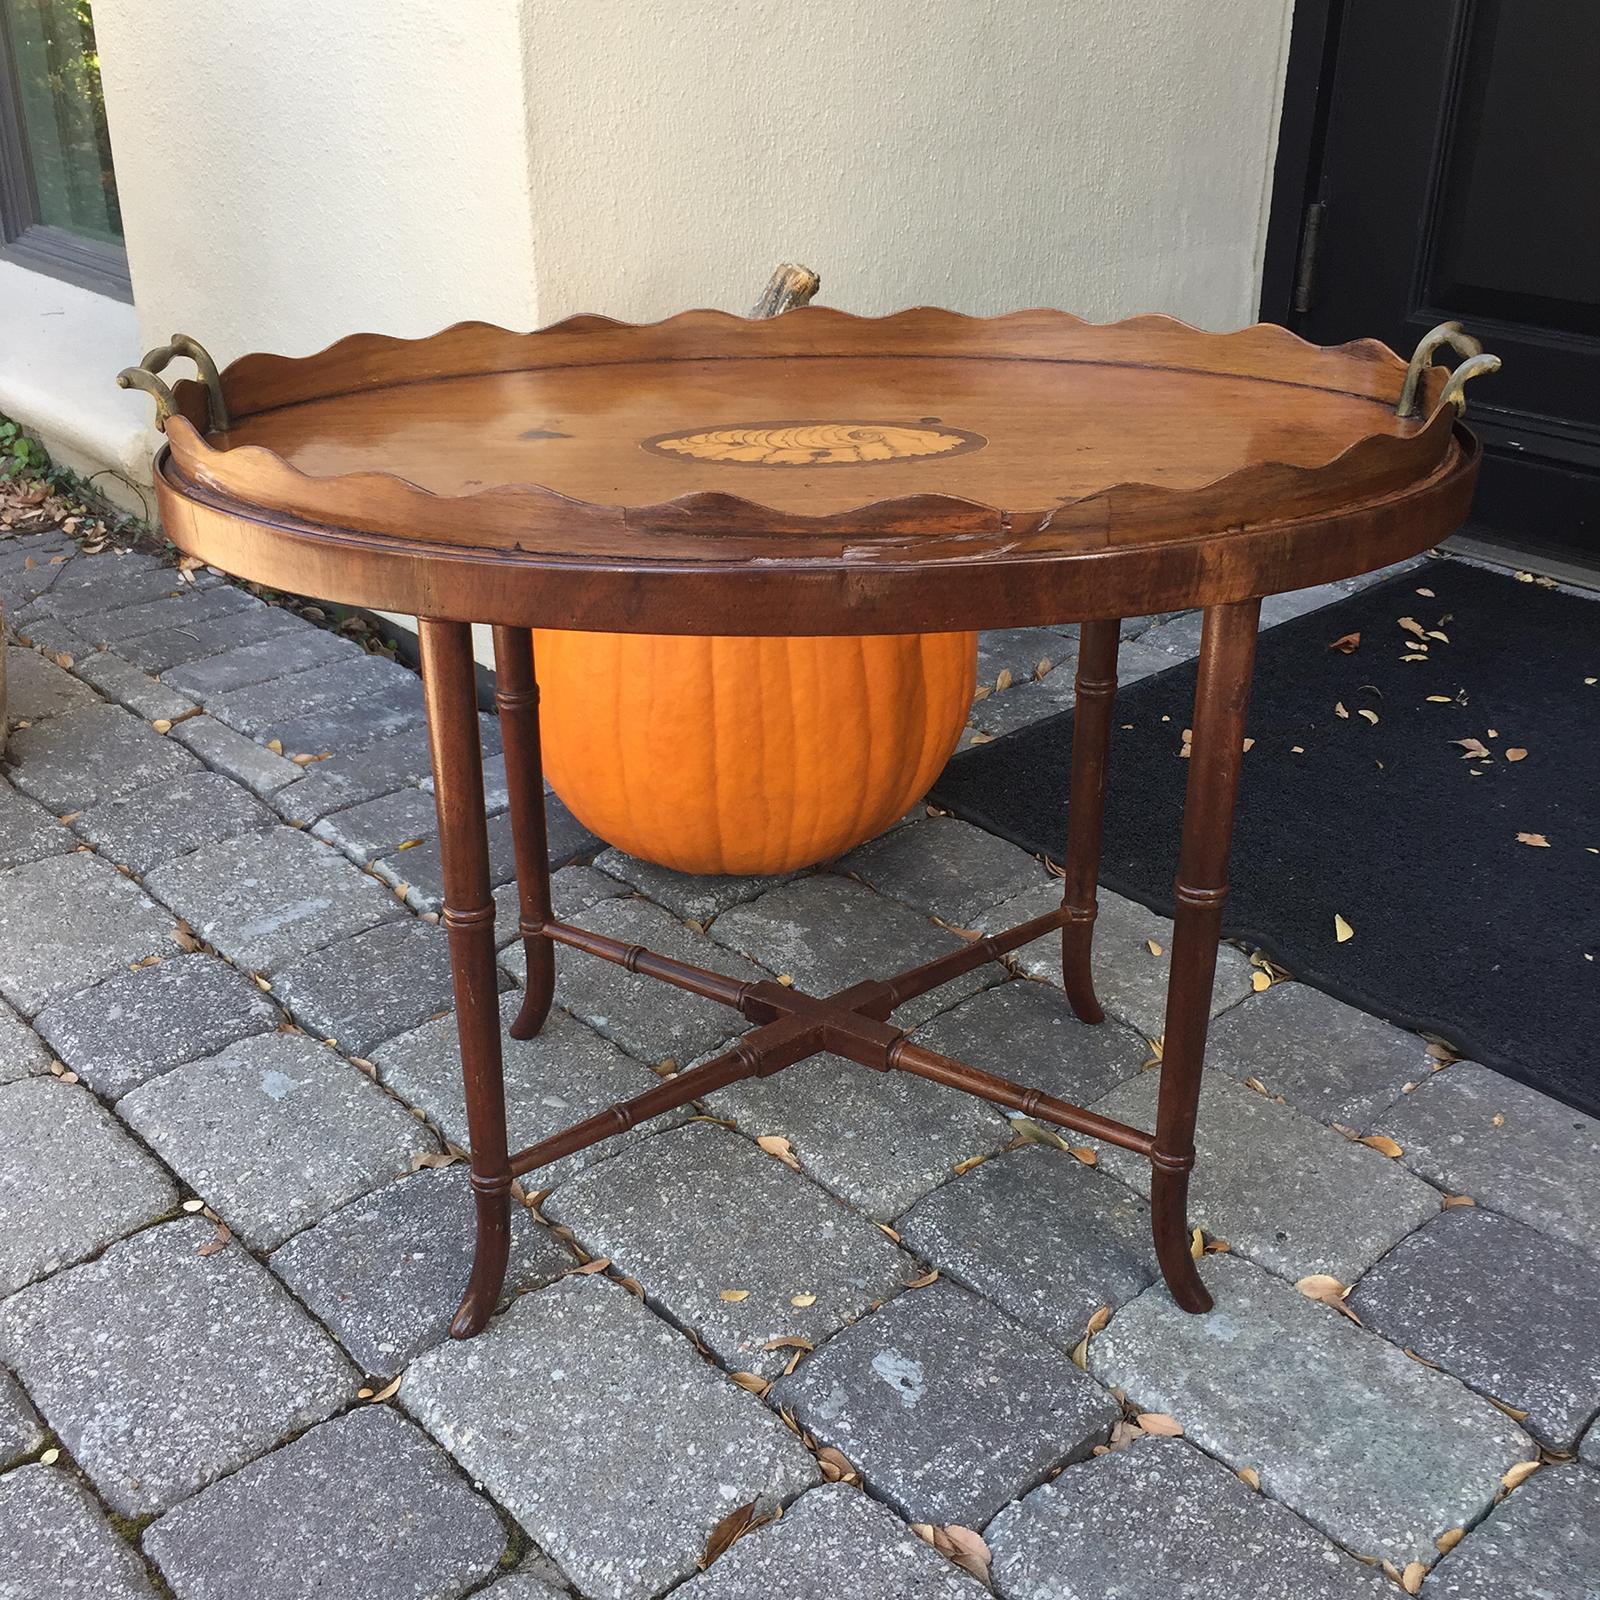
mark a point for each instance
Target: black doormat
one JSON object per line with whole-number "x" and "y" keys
{"x": 1381, "y": 816}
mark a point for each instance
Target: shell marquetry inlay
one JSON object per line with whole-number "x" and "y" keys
{"x": 816, "y": 444}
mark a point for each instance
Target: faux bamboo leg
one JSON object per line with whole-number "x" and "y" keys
{"x": 449, "y": 683}
{"x": 517, "y": 700}
{"x": 1095, "y": 687}
{"x": 1227, "y": 656}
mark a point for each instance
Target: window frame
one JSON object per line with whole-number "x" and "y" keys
{"x": 24, "y": 240}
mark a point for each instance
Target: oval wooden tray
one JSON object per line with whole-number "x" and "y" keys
{"x": 828, "y": 473}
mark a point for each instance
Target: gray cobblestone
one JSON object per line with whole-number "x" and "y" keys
{"x": 27, "y": 830}
{"x": 160, "y": 615}
{"x": 573, "y": 890}
{"x": 279, "y": 656}
{"x": 268, "y": 898}
{"x": 946, "y": 1407}
{"x": 257, "y": 707}
{"x": 364, "y": 990}
{"x": 381, "y": 827}
{"x": 275, "y": 1132}
{"x": 1038, "y": 1233}
{"x": 1325, "y": 1057}
{"x": 1292, "y": 1195}
{"x": 828, "y": 933}
{"x": 91, "y": 755}
{"x": 71, "y": 1180}
{"x": 566, "y": 1073}
{"x": 1023, "y": 703}
{"x": 944, "y": 867}
{"x": 123, "y": 682}
{"x": 345, "y": 726}
{"x": 1023, "y": 651}
{"x": 603, "y": 1433}
{"x": 146, "y": 829}
{"x": 56, "y": 1545}
{"x": 52, "y": 636}
{"x": 98, "y": 588}
{"x": 22, "y": 1433}
{"x": 1382, "y": 1454}
{"x": 1512, "y": 1313}
{"x": 698, "y": 1211}
{"x": 692, "y": 896}
{"x": 386, "y": 1272}
{"x": 195, "y": 640}
{"x": 136, "y": 1361}
{"x": 282, "y": 1529}
{"x": 262, "y": 771}
{"x": 68, "y": 921}
{"x": 21, "y": 1051}
{"x": 37, "y": 688}
{"x": 1472, "y": 1131}
{"x": 833, "y": 1541}
{"x": 1198, "y": 1534}
{"x": 140, "y": 1024}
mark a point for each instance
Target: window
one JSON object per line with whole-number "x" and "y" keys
{"x": 58, "y": 194}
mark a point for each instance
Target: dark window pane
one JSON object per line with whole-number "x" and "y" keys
{"x": 57, "y": 82}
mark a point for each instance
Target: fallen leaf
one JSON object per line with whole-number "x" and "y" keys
{"x": 728, "y": 1532}
{"x": 589, "y": 1268}
{"x": 387, "y": 1392}
{"x": 1451, "y": 1201}
{"x": 1249, "y": 1475}
{"x": 1346, "y": 643}
{"x": 1256, "y": 1084}
{"x": 1085, "y": 1153}
{"x": 275, "y": 746}
{"x": 802, "y": 1300}
{"x": 1342, "y": 931}
{"x": 754, "y": 1382}
{"x": 968, "y": 1551}
{"x": 1473, "y": 749}
{"x": 1447, "y": 1541}
{"x": 926, "y": 1279}
{"x": 162, "y": 724}
{"x": 1371, "y": 716}
{"x": 1498, "y": 1120}
{"x": 1197, "y": 1244}
{"x": 1516, "y": 753}
{"x": 1327, "y": 1289}
{"x": 1383, "y": 1144}
{"x": 1080, "y": 1354}
{"x": 1514, "y": 1412}
{"x": 1427, "y": 594}
{"x": 1101, "y": 1317}
{"x": 836, "y": 1466}
{"x": 218, "y": 1241}
{"x": 50, "y": 1456}
{"x": 776, "y": 1145}
{"x": 1412, "y": 626}
{"x": 733, "y": 1296}
{"x": 1160, "y": 1424}
{"x": 1339, "y": 710}
{"x": 1520, "y": 1473}
{"x": 1441, "y": 699}
{"x": 1537, "y": 840}
{"x": 1003, "y": 681}
{"x": 1260, "y": 982}
{"x": 1152, "y": 947}
{"x": 1411, "y": 1578}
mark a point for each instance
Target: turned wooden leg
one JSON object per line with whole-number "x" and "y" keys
{"x": 1227, "y": 656}
{"x": 1095, "y": 687}
{"x": 517, "y": 699}
{"x": 450, "y": 686}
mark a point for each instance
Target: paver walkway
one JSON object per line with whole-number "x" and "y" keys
{"x": 231, "y": 1232}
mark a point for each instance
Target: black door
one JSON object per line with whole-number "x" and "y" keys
{"x": 1440, "y": 160}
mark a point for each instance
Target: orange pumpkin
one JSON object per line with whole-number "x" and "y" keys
{"x": 730, "y": 755}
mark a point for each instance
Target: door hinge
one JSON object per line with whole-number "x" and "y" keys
{"x": 1305, "y": 278}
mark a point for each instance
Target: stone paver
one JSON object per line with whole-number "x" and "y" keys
{"x": 1589, "y": 1450}
{"x": 364, "y": 990}
{"x": 70, "y": 1180}
{"x": 262, "y": 771}
{"x": 1023, "y": 703}
{"x": 161, "y": 1369}
{"x": 1543, "y": 1543}
{"x": 604, "y": 1434}
{"x": 647, "y": 1019}
{"x": 1025, "y": 653}
{"x": 92, "y": 754}
{"x": 947, "y": 1408}
{"x": 882, "y": 1140}
{"x": 123, "y": 682}
{"x": 828, "y": 932}
{"x": 140, "y": 1024}
{"x": 266, "y": 899}
{"x": 1162, "y": 1519}
{"x": 158, "y": 652}
{"x": 699, "y": 1213}
{"x": 692, "y": 896}
{"x": 566, "y": 1073}
{"x": 944, "y": 867}
{"x": 257, "y": 707}
{"x": 833, "y": 1541}
{"x": 1381, "y": 1453}
{"x": 529, "y": 1585}
{"x": 1328, "y": 1059}
{"x": 160, "y": 615}
{"x": 355, "y": 724}
{"x": 1129, "y": 979}
{"x": 1025, "y": 1031}
{"x": 276, "y": 657}
{"x": 386, "y": 1272}
{"x": 1472, "y": 1131}
{"x": 282, "y": 1528}
{"x": 28, "y": 831}
{"x": 1284, "y": 1190}
{"x": 143, "y": 831}
{"x": 21, "y": 1051}
{"x": 66, "y": 922}
{"x": 53, "y": 637}
{"x": 55, "y": 1543}
{"x": 381, "y": 827}
{"x": 1041, "y": 1235}
{"x": 21, "y": 1432}
{"x": 37, "y": 688}
{"x": 275, "y": 1132}
{"x": 1511, "y": 1312}
{"x": 97, "y": 588}
{"x": 572, "y": 891}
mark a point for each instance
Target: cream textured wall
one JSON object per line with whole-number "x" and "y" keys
{"x": 1108, "y": 156}
{"x": 294, "y": 170}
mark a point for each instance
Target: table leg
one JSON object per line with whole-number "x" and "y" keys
{"x": 1095, "y": 687}
{"x": 450, "y": 687}
{"x": 517, "y": 700}
{"x": 1222, "y": 693}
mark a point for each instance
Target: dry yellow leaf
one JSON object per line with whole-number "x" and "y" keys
{"x": 1412, "y": 626}
{"x": 1101, "y": 1317}
{"x": 1452, "y": 1200}
{"x": 1080, "y": 1354}
{"x": 733, "y": 1296}
{"x": 1382, "y": 1143}
{"x": 1441, "y": 699}
{"x": 729, "y": 1532}
{"x": 1411, "y": 1578}
{"x": 1085, "y": 1153}
{"x": 776, "y": 1145}
{"x": 1473, "y": 749}
{"x": 926, "y": 1279}
{"x": 1342, "y": 931}
{"x": 1160, "y": 1424}
{"x": 753, "y": 1381}
{"x": 1537, "y": 840}
{"x": 162, "y": 724}
{"x": 1152, "y": 947}
{"x": 50, "y": 1456}
{"x": 598, "y": 1264}
{"x": 1515, "y": 1413}
{"x": 1249, "y": 1475}
{"x": 1447, "y": 1541}
{"x": 968, "y": 1551}
{"x": 1516, "y": 753}
{"x": 1520, "y": 1473}
{"x": 387, "y": 1392}
{"x": 1260, "y": 981}
{"x": 1339, "y": 710}
{"x": 835, "y": 1466}
{"x": 1327, "y": 1289}
{"x": 1197, "y": 1244}
{"x": 1346, "y": 643}
{"x": 967, "y": 1165}
{"x": 275, "y": 746}
{"x": 802, "y": 1300}
{"x": 1256, "y": 1084}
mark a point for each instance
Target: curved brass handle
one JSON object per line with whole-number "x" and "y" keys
{"x": 146, "y": 377}
{"x": 1474, "y": 364}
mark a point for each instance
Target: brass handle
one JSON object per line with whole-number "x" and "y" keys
{"x": 146, "y": 377}
{"x": 1474, "y": 364}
